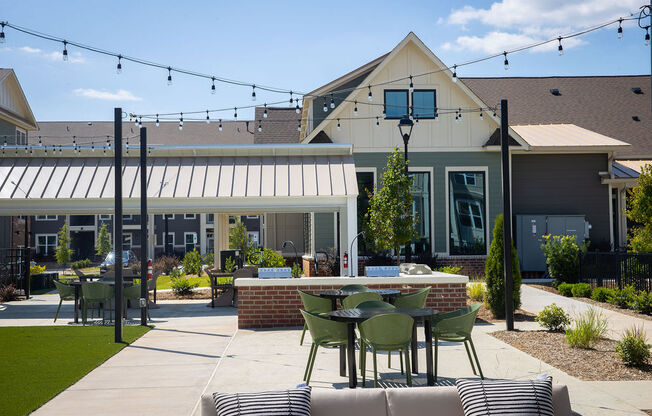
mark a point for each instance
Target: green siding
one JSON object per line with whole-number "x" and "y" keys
{"x": 439, "y": 161}
{"x": 324, "y": 231}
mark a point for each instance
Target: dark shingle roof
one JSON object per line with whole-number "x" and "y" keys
{"x": 280, "y": 126}
{"x": 603, "y": 104}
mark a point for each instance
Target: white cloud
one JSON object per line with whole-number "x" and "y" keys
{"x": 73, "y": 57}
{"x": 29, "y": 49}
{"x": 120, "y": 95}
{"x": 497, "y": 42}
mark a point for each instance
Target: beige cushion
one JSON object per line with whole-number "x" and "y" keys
{"x": 208, "y": 405}
{"x": 348, "y": 402}
{"x": 561, "y": 400}
{"x": 420, "y": 401}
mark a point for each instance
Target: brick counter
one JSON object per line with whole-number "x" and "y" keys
{"x": 271, "y": 303}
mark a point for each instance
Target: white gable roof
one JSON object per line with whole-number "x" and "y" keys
{"x": 13, "y": 103}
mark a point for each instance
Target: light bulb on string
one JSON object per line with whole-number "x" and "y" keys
{"x": 208, "y": 119}
{"x": 2, "y": 36}
{"x": 384, "y": 113}
{"x": 560, "y": 48}
{"x": 157, "y": 122}
{"x": 219, "y": 127}
{"x": 647, "y": 36}
{"x": 213, "y": 86}
{"x": 149, "y": 150}
{"x": 108, "y": 143}
{"x": 298, "y": 125}
{"x": 355, "y": 108}
{"x": 411, "y": 113}
{"x": 339, "y": 127}
{"x": 481, "y": 116}
{"x": 92, "y": 147}
{"x": 118, "y": 68}
{"x": 377, "y": 121}
{"x": 416, "y": 119}
{"x": 65, "y": 51}
{"x": 370, "y": 95}
{"x": 260, "y": 126}
{"x": 60, "y": 151}
{"x": 291, "y": 99}
{"x": 74, "y": 144}
{"x": 265, "y": 111}
{"x": 297, "y": 109}
{"x": 325, "y": 106}
{"x": 253, "y": 93}
{"x": 169, "y": 76}
{"x": 235, "y": 113}
{"x": 40, "y": 143}
{"x": 103, "y": 150}
{"x": 459, "y": 110}
{"x": 46, "y": 150}
{"x": 26, "y": 149}
{"x": 181, "y": 122}
{"x": 454, "y": 78}
{"x": 411, "y": 85}
{"x": 140, "y": 122}
{"x": 620, "y": 28}
{"x": 506, "y": 62}
{"x": 136, "y": 121}
{"x": 332, "y": 101}
{"x": 457, "y": 119}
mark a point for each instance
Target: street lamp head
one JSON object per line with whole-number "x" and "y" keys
{"x": 405, "y": 125}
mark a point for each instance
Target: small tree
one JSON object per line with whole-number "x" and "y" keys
{"x": 103, "y": 243}
{"x": 63, "y": 251}
{"x": 563, "y": 257}
{"x": 639, "y": 210}
{"x": 192, "y": 262}
{"x": 239, "y": 239}
{"x": 389, "y": 220}
{"x": 494, "y": 273}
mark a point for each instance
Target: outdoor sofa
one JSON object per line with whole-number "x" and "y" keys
{"x": 417, "y": 401}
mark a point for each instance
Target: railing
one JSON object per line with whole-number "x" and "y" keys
{"x": 14, "y": 269}
{"x": 617, "y": 270}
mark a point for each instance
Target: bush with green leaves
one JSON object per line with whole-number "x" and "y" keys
{"x": 565, "y": 289}
{"x": 601, "y": 294}
{"x": 270, "y": 258}
{"x": 476, "y": 291}
{"x": 63, "y": 253}
{"x": 450, "y": 269}
{"x": 36, "y": 269}
{"x": 176, "y": 273}
{"x": 553, "y": 318}
{"x": 622, "y": 297}
{"x": 588, "y": 328}
{"x": 209, "y": 258}
{"x": 494, "y": 277}
{"x": 581, "y": 290}
{"x": 639, "y": 211}
{"x": 633, "y": 348}
{"x": 182, "y": 286}
{"x": 642, "y": 303}
{"x": 297, "y": 270}
{"x": 229, "y": 265}
{"x": 103, "y": 242}
{"x": 239, "y": 239}
{"x": 192, "y": 262}
{"x": 562, "y": 257}
{"x": 80, "y": 264}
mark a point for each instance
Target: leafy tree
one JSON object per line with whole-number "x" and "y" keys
{"x": 63, "y": 251}
{"x": 192, "y": 262}
{"x": 103, "y": 243}
{"x": 639, "y": 210}
{"x": 563, "y": 257}
{"x": 389, "y": 220}
{"x": 239, "y": 240}
{"x": 494, "y": 273}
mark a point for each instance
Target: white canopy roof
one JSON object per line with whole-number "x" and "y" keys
{"x": 566, "y": 136}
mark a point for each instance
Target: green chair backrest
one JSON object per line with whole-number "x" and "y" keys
{"x": 354, "y": 288}
{"x": 375, "y": 304}
{"x": 96, "y": 291}
{"x": 458, "y": 322}
{"x": 315, "y": 304}
{"x": 66, "y": 292}
{"x": 413, "y": 300}
{"x": 324, "y": 330}
{"x": 131, "y": 292}
{"x": 355, "y": 299}
{"x": 387, "y": 330}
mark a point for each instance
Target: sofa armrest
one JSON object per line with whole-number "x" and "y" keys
{"x": 207, "y": 405}
{"x": 561, "y": 400}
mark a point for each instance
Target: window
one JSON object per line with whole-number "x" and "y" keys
{"x": 127, "y": 217}
{"x": 189, "y": 216}
{"x": 366, "y": 182}
{"x": 396, "y": 103}
{"x": 210, "y": 243}
{"x": 190, "y": 241}
{"x": 254, "y": 238}
{"x": 170, "y": 239}
{"x": 46, "y": 244}
{"x": 467, "y": 203}
{"x": 105, "y": 217}
{"x": 424, "y": 104}
{"x": 21, "y": 136}
{"x": 169, "y": 216}
{"x": 420, "y": 191}
{"x": 126, "y": 241}
{"x": 46, "y": 218}
{"x": 210, "y": 218}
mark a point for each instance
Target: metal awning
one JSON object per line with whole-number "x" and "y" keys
{"x": 217, "y": 179}
{"x": 566, "y": 137}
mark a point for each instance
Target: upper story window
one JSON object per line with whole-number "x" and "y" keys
{"x": 424, "y": 104}
{"x": 21, "y": 136}
{"x": 396, "y": 103}
{"x": 46, "y": 218}
{"x": 189, "y": 216}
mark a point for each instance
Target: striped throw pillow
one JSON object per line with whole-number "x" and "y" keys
{"x": 293, "y": 402}
{"x": 506, "y": 397}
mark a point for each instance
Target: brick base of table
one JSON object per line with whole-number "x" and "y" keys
{"x": 273, "y": 303}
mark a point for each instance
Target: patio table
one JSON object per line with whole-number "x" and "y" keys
{"x": 78, "y": 285}
{"x": 354, "y": 316}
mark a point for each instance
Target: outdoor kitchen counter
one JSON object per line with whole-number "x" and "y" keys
{"x": 271, "y": 303}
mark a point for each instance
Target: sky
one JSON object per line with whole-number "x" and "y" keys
{"x": 295, "y": 45}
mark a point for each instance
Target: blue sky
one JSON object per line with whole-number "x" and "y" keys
{"x": 295, "y": 45}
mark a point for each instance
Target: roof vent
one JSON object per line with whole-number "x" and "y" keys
{"x": 635, "y": 118}
{"x": 637, "y": 90}
{"x": 555, "y": 91}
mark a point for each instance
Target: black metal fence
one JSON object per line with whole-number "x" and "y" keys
{"x": 617, "y": 270}
{"x": 14, "y": 269}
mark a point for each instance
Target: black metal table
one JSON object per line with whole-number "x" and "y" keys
{"x": 354, "y": 316}
{"x": 78, "y": 285}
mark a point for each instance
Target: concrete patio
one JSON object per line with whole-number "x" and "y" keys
{"x": 195, "y": 349}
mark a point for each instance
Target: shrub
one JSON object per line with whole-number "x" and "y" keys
{"x": 209, "y": 259}
{"x": 553, "y": 317}
{"x": 642, "y": 303}
{"x": 587, "y": 329}
{"x": 36, "y": 269}
{"x": 270, "y": 258}
{"x": 165, "y": 264}
{"x": 476, "y": 291}
{"x": 633, "y": 348}
{"x": 80, "y": 264}
{"x": 192, "y": 262}
{"x": 565, "y": 289}
{"x": 495, "y": 296}
{"x": 450, "y": 269}
{"x": 181, "y": 286}
{"x": 297, "y": 270}
{"x": 601, "y": 294}
{"x": 63, "y": 251}
{"x": 176, "y": 273}
{"x": 562, "y": 257}
{"x": 622, "y": 297}
{"x": 581, "y": 290}
{"x": 229, "y": 265}
{"x": 8, "y": 293}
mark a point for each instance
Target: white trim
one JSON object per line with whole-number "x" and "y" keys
{"x": 47, "y": 217}
{"x": 611, "y": 217}
{"x": 129, "y": 217}
{"x": 56, "y": 241}
{"x": 189, "y": 216}
{"x": 368, "y": 170}
{"x": 130, "y": 237}
{"x": 104, "y": 217}
{"x": 170, "y": 217}
{"x": 431, "y": 171}
{"x": 185, "y": 243}
{"x": 434, "y": 278}
{"x": 484, "y": 169}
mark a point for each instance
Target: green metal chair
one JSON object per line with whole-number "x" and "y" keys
{"x": 96, "y": 292}
{"x": 131, "y": 293}
{"x": 314, "y": 304}
{"x": 324, "y": 333}
{"x": 66, "y": 292}
{"x": 388, "y": 332}
{"x": 413, "y": 300}
{"x": 354, "y": 288}
{"x": 377, "y": 304}
{"x": 355, "y": 299}
{"x": 456, "y": 326}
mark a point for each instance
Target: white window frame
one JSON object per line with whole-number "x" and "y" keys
{"x": 129, "y": 237}
{"x": 38, "y": 246}
{"x": 172, "y": 233}
{"x": 189, "y": 216}
{"x": 23, "y": 135}
{"x": 447, "y": 171}
{"x": 105, "y": 217}
{"x": 185, "y": 243}
{"x": 368, "y": 170}
{"x": 46, "y": 218}
{"x": 169, "y": 217}
{"x": 430, "y": 170}
{"x": 127, "y": 217}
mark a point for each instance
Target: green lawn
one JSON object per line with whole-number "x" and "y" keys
{"x": 38, "y": 362}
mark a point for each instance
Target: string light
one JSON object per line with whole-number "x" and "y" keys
{"x": 235, "y": 113}
{"x": 481, "y": 116}
{"x": 118, "y": 68}
{"x": 411, "y": 85}
{"x": 265, "y": 111}
{"x": 108, "y": 143}
{"x": 299, "y": 125}
{"x": 355, "y": 108}
{"x": 325, "y": 106}
{"x": 297, "y": 108}
{"x": 219, "y": 127}
{"x": 140, "y": 122}
{"x": 169, "y": 75}
{"x": 74, "y": 143}
{"x": 459, "y": 110}
{"x": 647, "y": 36}
{"x": 181, "y": 122}
{"x": 40, "y": 143}
{"x": 560, "y": 48}
{"x": 92, "y": 147}
{"x": 454, "y": 73}
{"x": 260, "y": 127}
{"x": 213, "y": 86}
{"x": 292, "y": 99}
{"x": 2, "y": 38}
{"x": 136, "y": 121}
{"x": 339, "y": 127}
{"x": 620, "y": 28}
{"x": 157, "y": 122}
{"x": 253, "y": 93}
{"x": 506, "y": 61}
{"x": 332, "y": 101}
{"x": 377, "y": 122}
{"x": 208, "y": 119}
{"x": 371, "y": 97}
{"x": 65, "y": 51}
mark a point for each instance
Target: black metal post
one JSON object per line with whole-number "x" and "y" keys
{"x": 144, "y": 258}
{"x": 408, "y": 245}
{"x": 507, "y": 218}
{"x": 28, "y": 278}
{"x": 165, "y": 237}
{"x": 117, "y": 221}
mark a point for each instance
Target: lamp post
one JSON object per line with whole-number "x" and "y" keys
{"x": 356, "y": 257}
{"x": 296, "y": 254}
{"x": 405, "y": 128}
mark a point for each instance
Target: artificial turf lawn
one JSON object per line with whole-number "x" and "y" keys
{"x": 38, "y": 362}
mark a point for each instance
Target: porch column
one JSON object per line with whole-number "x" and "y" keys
{"x": 352, "y": 231}
{"x": 202, "y": 234}
{"x": 216, "y": 241}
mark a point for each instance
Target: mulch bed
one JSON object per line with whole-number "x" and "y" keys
{"x": 604, "y": 305}
{"x": 485, "y": 315}
{"x": 196, "y": 294}
{"x": 598, "y": 364}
